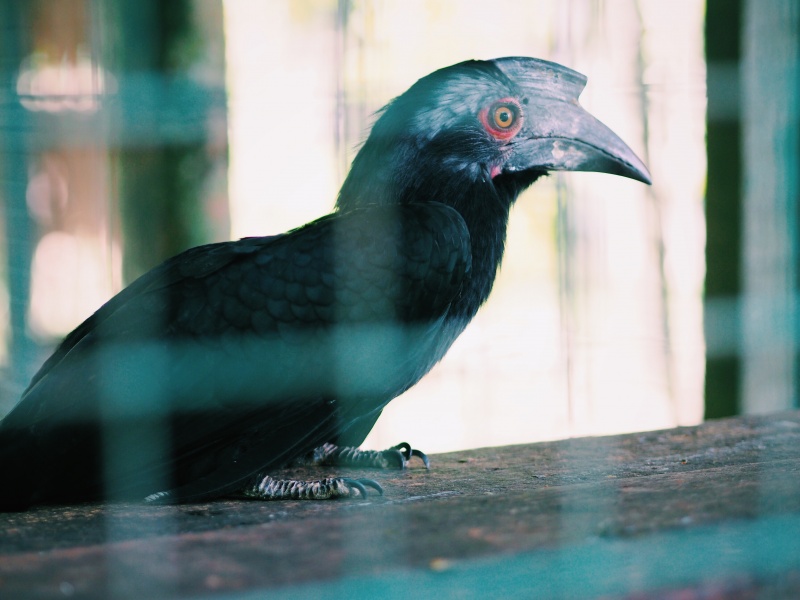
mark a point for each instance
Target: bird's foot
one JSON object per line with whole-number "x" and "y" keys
{"x": 164, "y": 497}
{"x": 396, "y": 457}
{"x": 267, "y": 488}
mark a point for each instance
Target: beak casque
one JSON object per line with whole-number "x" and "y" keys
{"x": 558, "y": 134}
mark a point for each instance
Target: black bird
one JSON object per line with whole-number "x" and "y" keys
{"x": 232, "y": 360}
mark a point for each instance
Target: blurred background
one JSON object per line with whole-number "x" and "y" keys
{"x": 133, "y": 129}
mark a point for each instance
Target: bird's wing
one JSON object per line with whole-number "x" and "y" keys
{"x": 261, "y": 334}
{"x": 194, "y": 263}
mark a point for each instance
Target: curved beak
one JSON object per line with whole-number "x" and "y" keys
{"x": 558, "y": 134}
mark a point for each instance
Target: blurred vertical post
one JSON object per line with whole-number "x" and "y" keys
{"x": 771, "y": 111}
{"x": 723, "y": 209}
{"x": 14, "y": 46}
{"x": 151, "y": 46}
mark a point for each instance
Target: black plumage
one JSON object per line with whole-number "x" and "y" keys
{"x": 233, "y": 359}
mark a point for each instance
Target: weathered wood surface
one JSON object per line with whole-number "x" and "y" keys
{"x": 696, "y": 512}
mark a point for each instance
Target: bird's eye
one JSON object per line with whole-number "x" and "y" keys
{"x": 502, "y": 119}
{"x": 504, "y": 116}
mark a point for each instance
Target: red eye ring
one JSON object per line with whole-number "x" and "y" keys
{"x": 502, "y": 119}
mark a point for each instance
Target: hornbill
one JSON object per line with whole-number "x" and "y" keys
{"x": 232, "y": 360}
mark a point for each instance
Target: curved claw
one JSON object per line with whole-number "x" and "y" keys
{"x": 357, "y": 485}
{"x": 396, "y": 454}
{"x": 373, "y": 484}
{"x": 362, "y": 484}
{"x": 423, "y": 457}
{"x": 408, "y": 453}
{"x": 404, "y": 448}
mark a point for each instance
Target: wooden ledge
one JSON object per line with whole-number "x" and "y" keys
{"x": 705, "y": 510}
